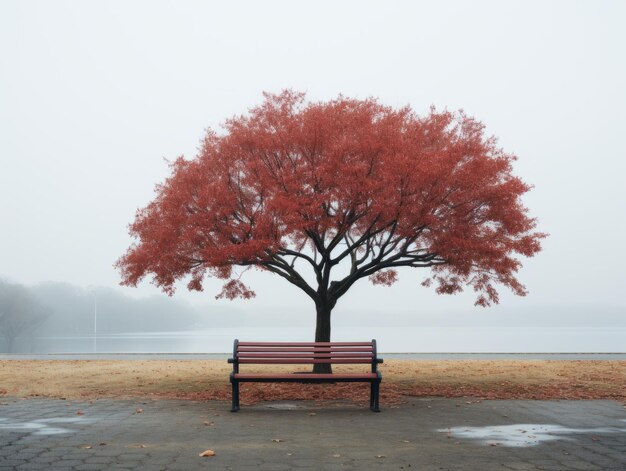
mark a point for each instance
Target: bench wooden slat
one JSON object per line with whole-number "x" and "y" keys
{"x": 305, "y": 349}
{"x": 304, "y": 344}
{"x": 304, "y": 355}
{"x": 294, "y": 361}
{"x": 334, "y": 376}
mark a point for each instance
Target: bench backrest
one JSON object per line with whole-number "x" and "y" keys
{"x": 264, "y": 353}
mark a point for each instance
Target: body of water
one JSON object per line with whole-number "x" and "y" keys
{"x": 420, "y": 340}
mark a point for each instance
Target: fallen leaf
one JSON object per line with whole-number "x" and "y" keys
{"x": 208, "y": 424}
{"x": 80, "y": 412}
{"x": 381, "y": 456}
{"x": 312, "y": 414}
{"x": 138, "y": 411}
{"x": 102, "y": 443}
{"x": 406, "y": 441}
{"x": 336, "y": 455}
{"x": 207, "y": 453}
{"x": 277, "y": 440}
{"x": 87, "y": 447}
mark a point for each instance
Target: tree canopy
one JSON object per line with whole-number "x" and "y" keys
{"x": 297, "y": 188}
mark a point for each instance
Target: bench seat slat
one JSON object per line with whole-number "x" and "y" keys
{"x": 305, "y": 344}
{"x": 293, "y": 361}
{"x": 305, "y": 349}
{"x": 301, "y": 376}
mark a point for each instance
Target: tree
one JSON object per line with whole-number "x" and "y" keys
{"x": 20, "y": 312}
{"x": 325, "y": 194}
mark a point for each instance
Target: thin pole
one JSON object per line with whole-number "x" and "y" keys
{"x": 95, "y": 324}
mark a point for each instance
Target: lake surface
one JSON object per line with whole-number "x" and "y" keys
{"x": 418, "y": 340}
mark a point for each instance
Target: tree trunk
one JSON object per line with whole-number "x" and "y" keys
{"x": 322, "y": 334}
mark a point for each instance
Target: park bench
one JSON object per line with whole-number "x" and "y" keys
{"x": 271, "y": 353}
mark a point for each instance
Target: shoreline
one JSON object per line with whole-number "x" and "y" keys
{"x": 561, "y": 356}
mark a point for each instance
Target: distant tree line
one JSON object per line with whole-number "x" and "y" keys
{"x": 21, "y": 312}
{"x": 33, "y": 317}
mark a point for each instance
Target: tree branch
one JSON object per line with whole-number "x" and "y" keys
{"x": 339, "y": 288}
{"x": 403, "y": 257}
{"x": 292, "y": 276}
{"x": 368, "y": 234}
{"x": 285, "y": 251}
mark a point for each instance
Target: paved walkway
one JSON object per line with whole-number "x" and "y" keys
{"x": 424, "y": 434}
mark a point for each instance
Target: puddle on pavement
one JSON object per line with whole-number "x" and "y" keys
{"x": 42, "y": 426}
{"x": 524, "y": 435}
{"x": 285, "y": 406}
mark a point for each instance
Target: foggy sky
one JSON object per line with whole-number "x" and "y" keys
{"x": 94, "y": 96}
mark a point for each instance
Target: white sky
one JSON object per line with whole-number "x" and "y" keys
{"x": 94, "y": 95}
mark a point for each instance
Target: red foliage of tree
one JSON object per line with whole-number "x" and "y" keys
{"x": 296, "y": 186}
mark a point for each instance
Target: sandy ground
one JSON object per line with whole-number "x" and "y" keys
{"x": 205, "y": 380}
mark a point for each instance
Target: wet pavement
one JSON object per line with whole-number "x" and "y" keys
{"x": 423, "y": 434}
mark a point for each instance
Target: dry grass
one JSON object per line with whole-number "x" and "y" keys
{"x": 201, "y": 380}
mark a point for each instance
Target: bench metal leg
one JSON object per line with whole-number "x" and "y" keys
{"x": 374, "y": 393}
{"x": 235, "y": 406}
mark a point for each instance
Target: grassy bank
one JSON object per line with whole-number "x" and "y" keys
{"x": 205, "y": 380}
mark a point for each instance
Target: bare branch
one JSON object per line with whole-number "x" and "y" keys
{"x": 339, "y": 288}
{"x": 367, "y": 234}
{"x": 295, "y": 254}
{"x": 291, "y": 275}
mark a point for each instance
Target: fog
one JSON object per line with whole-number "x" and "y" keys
{"x": 63, "y": 318}
{"x": 94, "y": 96}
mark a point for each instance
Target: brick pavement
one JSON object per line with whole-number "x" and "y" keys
{"x": 424, "y": 434}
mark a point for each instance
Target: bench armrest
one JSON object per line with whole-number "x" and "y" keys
{"x": 379, "y": 360}
{"x": 231, "y": 360}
